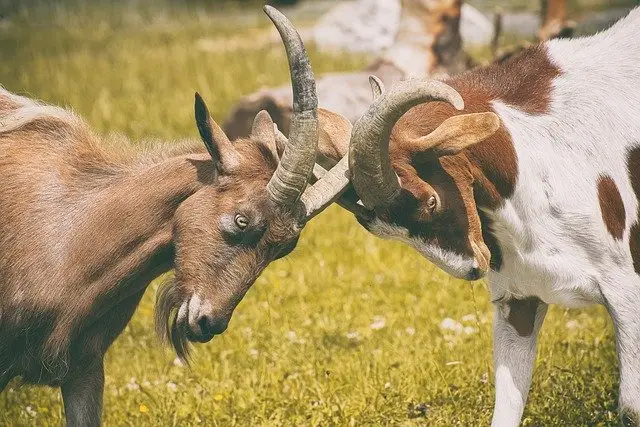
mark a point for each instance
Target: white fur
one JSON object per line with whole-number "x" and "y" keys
{"x": 554, "y": 243}
{"x": 451, "y": 262}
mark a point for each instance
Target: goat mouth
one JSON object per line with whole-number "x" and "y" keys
{"x": 199, "y": 321}
{"x": 199, "y": 338}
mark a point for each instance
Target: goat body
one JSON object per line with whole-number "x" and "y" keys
{"x": 549, "y": 201}
{"x": 80, "y": 237}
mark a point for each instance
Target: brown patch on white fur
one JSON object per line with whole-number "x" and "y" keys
{"x": 633, "y": 166}
{"x": 611, "y": 206}
{"x": 482, "y": 175}
{"x": 485, "y": 173}
{"x": 522, "y": 315}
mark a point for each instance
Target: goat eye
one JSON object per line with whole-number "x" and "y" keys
{"x": 432, "y": 203}
{"x": 241, "y": 221}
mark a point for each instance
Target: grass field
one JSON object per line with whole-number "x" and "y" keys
{"x": 348, "y": 330}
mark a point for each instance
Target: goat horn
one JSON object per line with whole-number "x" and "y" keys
{"x": 372, "y": 175}
{"x": 295, "y": 167}
{"x": 327, "y": 189}
{"x": 377, "y": 87}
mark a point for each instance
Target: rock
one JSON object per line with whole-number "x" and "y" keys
{"x": 371, "y": 26}
{"x": 359, "y": 26}
{"x": 475, "y": 28}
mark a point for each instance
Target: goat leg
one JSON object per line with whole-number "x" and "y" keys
{"x": 515, "y": 330}
{"x": 622, "y": 296}
{"x": 82, "y": 395}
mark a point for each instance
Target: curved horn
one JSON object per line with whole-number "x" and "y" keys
{"x": 377, "y": 87}
{"x": 293, "y": 172}
{"x": 328, "y": 188}
{"x": 372, "y": 175}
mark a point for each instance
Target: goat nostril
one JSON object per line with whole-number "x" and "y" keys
{"x": 474, "y": 274}
{"x": 210, "y": 326}
{"x": 203, "y": 322}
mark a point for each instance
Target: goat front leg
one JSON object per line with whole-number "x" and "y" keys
{"x": 82, "y": 396}
{"x": 622, "y": 296}
{"x": 515, "y": 330}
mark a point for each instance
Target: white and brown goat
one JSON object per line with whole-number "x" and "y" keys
{"x": 527, "y": 171}
{"x": 84, "y": 230}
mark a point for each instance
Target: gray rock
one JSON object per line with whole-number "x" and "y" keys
{"x": 359, "y": 26}
{"x": 372, "y": 25}
{"x": 475, "y": 28}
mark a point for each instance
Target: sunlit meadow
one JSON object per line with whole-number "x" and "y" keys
{"x": 348, "y": 330}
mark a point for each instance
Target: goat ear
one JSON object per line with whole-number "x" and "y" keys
{"x": 457, "y": 133}
{"x": 263, "y": 131}
{"x": 334, "y": 137}
{"x": 224, "y": 155}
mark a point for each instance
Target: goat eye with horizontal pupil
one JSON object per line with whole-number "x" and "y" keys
{"x": 241, "y": 221}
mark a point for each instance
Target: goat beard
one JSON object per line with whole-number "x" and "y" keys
{"x": 168, "y": 302}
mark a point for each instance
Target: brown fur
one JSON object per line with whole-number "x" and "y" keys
{"x": 483, "y": 175}
{"x": 633, "y": 166}
{"x": 86, "y": 224}
{"x": 611, "y": 206}
{"x": 522, "y": 314}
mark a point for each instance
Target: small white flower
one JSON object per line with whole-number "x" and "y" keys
{"x": 353, "y": 335}
{"x": 469, "y": 318}
{"x": 132, "y": 385}
{"x": 177, "y": 362}
{"x": 171, "y": 386}
{"x": 254, "y": 353}
{"x": 468, "y": 330}
{"x": 29, "y": 410}
{"x": 451, "y": 325}
{"x": 410, "y": 331}
{"x": 146, "y": 383}
{"x": 378, "y": 323}
{"x": 292, "y": 336}
{"x": 387, "y": 385}
{"x": 573, "y": 324}
{"x": 484, "y": 378}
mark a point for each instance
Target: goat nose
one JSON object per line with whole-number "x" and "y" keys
{"x": 474, "y": 274}
{"x": 211, "y": 325}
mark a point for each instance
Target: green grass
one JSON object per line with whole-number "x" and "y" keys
{"x": 346, "y": 330}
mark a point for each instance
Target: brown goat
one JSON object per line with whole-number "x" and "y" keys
{"x": 84, "y": 229}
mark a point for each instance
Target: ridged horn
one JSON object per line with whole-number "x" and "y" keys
{"x": 295, "y": 167}
{"x": 372, "y": 175}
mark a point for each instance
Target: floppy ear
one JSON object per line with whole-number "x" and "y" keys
{"x": 334, "y": 137}
{"x": 457, "y": 133}
{"x": 223, "y": 153}
{"x": 263, "y": 131}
